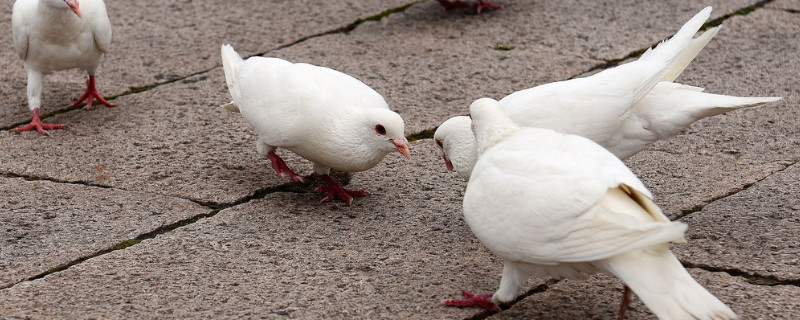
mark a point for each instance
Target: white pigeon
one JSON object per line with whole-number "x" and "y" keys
{"x": 55, "y": 35}
{"x": 561, "y": 206}
{"x": 617, "y": 108}
{"x": 323, "y": 115}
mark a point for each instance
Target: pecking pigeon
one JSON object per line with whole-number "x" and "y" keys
{"x": 621, "y": 108}
{"x": 55, "y": 35}
{"x": 561, "y": 206}
{"x": 328, "y": 117}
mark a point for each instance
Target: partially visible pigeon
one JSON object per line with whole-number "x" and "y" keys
{"x": 55, "y": 35}
{"x": 323, "y": 115}
{"x": 561, "y": 206}
{"x": 479, "y": 5}
{"x": 614, "y": 108}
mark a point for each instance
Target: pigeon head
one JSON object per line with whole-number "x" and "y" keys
{"x": 490, "y": 124}
{"x": 384, "y": 129}
{"x": 73, "y": 5}
{"x": 455, "y": 140}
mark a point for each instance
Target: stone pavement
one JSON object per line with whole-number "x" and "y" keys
{"x": 160, "y": 208}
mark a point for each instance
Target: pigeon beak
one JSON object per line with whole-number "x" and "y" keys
{"x": 447, "y": 163}
{"x": 402, "y": 147}
{"x": 75, "y": 6}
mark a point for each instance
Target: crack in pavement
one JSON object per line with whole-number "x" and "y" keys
{"x": 700, "y": 207}
{"x": 119, "y": 246}
{"x": 537, "y": 289}
{"x": 749, "y": 277}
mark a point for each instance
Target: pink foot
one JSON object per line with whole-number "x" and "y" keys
{"x": 485, "y": 4}
{"x": 482, "y": 4}
{"x": 483, "y": 300}
{"x": 334, "y": 189}
{"x": 91, "y": 93}
{"x": 626, "y": 299}
{"x": 449, "y": 4}
{"x": 38, "y": 125}
{"x": 281, "y": 168}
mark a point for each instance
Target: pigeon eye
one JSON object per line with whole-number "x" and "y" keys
{"x": 439, "y": 143}
{"x": 380, "y": 130}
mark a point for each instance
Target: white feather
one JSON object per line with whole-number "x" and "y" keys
{"x": 558, "y": 205}
{"x": 624, "y": 109}
{"x": 321, "y": 114}
{"x": 49, "y": 37}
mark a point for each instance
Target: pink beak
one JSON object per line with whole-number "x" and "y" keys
{"x": 402, "y": 147}
{"x": 447, "y": 163}
{"x": 75, "y": 6}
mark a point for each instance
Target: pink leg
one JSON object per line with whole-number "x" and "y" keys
{"x": 626, "y": 299}
{"x": 486, "y": 4}
{"x": 281, "y": 168}
{"x": 483, "y": 300}
{"x": 38, "y": 125}
{"x": 336, "y": 189}
{"x": 447, "y": 5}
{"x": 91, "y": 93}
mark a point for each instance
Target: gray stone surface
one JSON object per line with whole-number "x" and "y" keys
{"x": 45, "y": 224}
{"x": 789, "y": 5}
{"x": 398, "y": 252}
{"x": 754, "y": 231}
{"x": 176, "y": 141}
{"x": 394, "y": 254}
{"x": 599, "y": 298}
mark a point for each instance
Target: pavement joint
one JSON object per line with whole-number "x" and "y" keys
{"x": 636, "y": 53}
{"x": 751, "y": 278}
{"x": 701, "y": 206}
{"x": 120, "y": 246}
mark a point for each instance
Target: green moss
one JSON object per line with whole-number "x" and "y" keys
{"x": 503, "y": 47}
{"x": 424, "y": 134}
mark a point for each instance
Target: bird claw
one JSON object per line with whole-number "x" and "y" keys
{"x": 484, "y": 4}
{"x": 334, "y": 189}
{"x": 91, "y": 94}
{"x": 38, "y": 125}
{"x": 483, "y": 300}
{"x": 280, "y": 167}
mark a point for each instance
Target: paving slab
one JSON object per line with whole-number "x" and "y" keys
{"x": 717, "y": 156}
{"x": 790, "y": 5}
{"x": 47, "y": 225}
{"x": 394, "y": 254}
{"x": 599, "y": 297}
{"x": 754, "y": 231}
{"x": 431, "y": 64}
{"x": 155, "y": 41}
{"x": 173, "y": 140}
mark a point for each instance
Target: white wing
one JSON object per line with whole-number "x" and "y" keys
{"x": 95, "y": 12}
{"x": 20, "y": 15}
{"x": 593, "y": 107}
{"x": 530, "y": 199}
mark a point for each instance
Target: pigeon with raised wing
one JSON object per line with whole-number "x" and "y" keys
{"x": 323, "y": 115}
{"x": 621, "y": 108}
{"x": 55, "y": 35}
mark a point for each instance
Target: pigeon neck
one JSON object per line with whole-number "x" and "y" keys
{"x": 491, "y": 135}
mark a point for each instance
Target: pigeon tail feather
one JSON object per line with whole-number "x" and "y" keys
{"x": 231, "y": 63}
{"x": 689, "y": 53}
{"x": 671, "y": 51}
{"x": 664, "y": 286}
